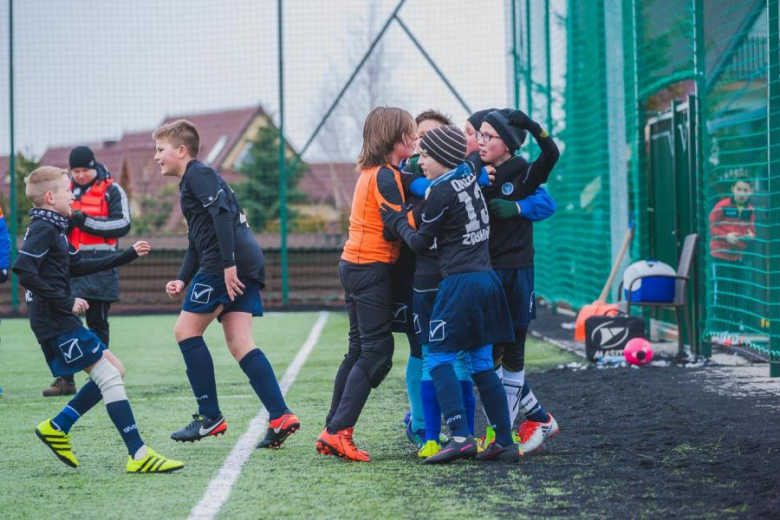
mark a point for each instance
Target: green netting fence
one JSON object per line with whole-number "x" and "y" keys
{"x": 664, "y": 108}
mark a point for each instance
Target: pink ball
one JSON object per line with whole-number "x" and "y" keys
{"x": 638, "y": 352}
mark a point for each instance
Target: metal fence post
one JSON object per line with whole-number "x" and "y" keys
{"x": 548, "y": 64}
{"x": 515, "y": 57}
{"x": 282, "y": 172}
{"x": 12, "y": 157}
{"x": 699, "y": 70}
{"x": 528, "y": 79}
{"x": 773, "y": 148}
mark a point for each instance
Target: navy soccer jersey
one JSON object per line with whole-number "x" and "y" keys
{"x": 512, "y": 240}
{"x": 45, "y": 265}
{"x": 219, "y": 234}
{"x": 455, "y": 220}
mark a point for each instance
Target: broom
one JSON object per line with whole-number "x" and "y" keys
{"x": 600, "y": 307}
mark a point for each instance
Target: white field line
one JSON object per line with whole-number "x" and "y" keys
{"x": 221, "y": 485}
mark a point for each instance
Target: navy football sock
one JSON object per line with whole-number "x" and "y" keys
{"x": 469, "y": 401}
{"x": 530, "y": 406}
{"x": 122, "y": 416}
{"x": 494, "y": 400}
{"x": 87, "y": 397}
{"x": 262, "y": 378}
{"x": 200, "y": 372}
{"x": 414, "y": 369}
{"x": 432, "y": 411}
{"x": 450, "y": 399}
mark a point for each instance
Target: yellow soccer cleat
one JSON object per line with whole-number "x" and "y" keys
{"x": 153, "y": 463}
{"x": 57, "y": 441}
{"x": 429, "y": 449}
{"x": 487, "y": 439}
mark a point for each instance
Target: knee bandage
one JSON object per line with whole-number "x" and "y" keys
{"x": 109, "y": 380}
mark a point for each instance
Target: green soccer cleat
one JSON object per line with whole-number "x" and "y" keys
{"x": 153, "y": 463}
{"x": 487, "y": 439}
{"x": 430, "y": 449}
{"x": 57, "y": 441}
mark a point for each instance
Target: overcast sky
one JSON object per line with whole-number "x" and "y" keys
{"x": 88, "y": 70}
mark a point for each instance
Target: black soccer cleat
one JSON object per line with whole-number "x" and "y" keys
{"x": 200, "y": 427}
{"x": 495, "y": 453}
{"x": 279, "y": 429}
{"x": 454, "y": 450}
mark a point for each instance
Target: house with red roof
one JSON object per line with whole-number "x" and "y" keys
{"x": 225, "y": 137}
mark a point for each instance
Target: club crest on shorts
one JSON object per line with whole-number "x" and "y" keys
{"x": 71, "y": 350}
{"x": 201, "y": 293}
{"x": 507, "y": 188}
{"x": 437, "y": 332}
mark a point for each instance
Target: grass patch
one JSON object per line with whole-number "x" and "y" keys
{"x": 293, "y": 481}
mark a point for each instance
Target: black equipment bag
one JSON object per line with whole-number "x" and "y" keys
{"x": 603, "y": 333}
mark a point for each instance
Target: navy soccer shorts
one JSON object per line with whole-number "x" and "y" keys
{"x": 73, "y": 351}
{"x": 518, "y": 285}
{"x": 470, "y": 312}
{"x": 423, "y": 302}
{"x": 208, "y": 291}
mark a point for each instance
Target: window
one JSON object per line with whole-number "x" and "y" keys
{"x": 217, "y": 149}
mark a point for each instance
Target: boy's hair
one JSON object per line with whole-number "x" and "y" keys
{"x": 383, "y": 129}
{"x": 742, "y": 177}
{"x": 180, "y": 132}
{"x": 433, "y": 115}
{"x": 40, "y": 181}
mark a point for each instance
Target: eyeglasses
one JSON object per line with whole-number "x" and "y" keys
{"x": 483, "y": 136}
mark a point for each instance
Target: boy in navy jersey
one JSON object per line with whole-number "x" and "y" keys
{"x": 45, "y": 264}
{"x": 470, "y": 311}
{"x": 225, "y": 270}
{"x": 535, "y": 207}
{"x": 500, "y": 135}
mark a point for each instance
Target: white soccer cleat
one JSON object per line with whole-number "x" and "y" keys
{"x": 532, "y": 434}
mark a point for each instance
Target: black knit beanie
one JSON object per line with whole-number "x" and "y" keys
{"x": 513, "y": 137}
{"x": 82, "y": 157}
{"x": 446, "y": 145}
{"x": 478, "y": 117}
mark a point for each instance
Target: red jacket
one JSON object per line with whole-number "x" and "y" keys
{"x": 726, "y": 217}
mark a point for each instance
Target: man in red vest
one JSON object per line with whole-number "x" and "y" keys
{"x": 101, "y": 215}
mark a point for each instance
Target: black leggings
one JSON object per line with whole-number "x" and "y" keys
{"x": 370, "y": 353}
{"x": 511, "y": 355}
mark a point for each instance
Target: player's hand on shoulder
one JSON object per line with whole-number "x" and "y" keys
{"x": 503, "y": 209}
{"x": 142, "y": 247}
{"x": 233, "y": 284}
{"x": 80, "y": 306}
{"x": 487, "y": 175}
{"x": 174, "y": 288}
{"x": 390, "y": 215}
